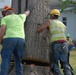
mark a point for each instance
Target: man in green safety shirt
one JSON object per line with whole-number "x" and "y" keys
{"x": 12, "y": 38}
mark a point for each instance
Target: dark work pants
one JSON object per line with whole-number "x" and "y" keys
{"x": 59, "y": 52}
{"x": 15, "y": 46}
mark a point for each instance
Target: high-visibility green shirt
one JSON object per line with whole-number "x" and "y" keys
{"x": 57, "y": 30}
{"x": 14, "y": 25}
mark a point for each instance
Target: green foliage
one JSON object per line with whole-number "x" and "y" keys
{"x": 65, "y": 3}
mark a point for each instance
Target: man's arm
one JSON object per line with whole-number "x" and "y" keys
{"x": 2, "y": 32}
{"x": 44, "y": 26}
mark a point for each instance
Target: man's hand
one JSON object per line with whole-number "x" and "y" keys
{"x": 30, "y": 7}
{"x": 27, "y": 12}
{"x": 44, "y": 26}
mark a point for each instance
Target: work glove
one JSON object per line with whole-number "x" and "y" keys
{"x": 30, "y": 7}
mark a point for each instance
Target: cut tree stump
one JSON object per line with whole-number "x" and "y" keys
{"x": 33, "y": 70}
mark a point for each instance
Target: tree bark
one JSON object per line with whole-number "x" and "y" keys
{"x": 33, "y": 70}
{"x": 37, "y": 45}
{"x": 15, "y": 6}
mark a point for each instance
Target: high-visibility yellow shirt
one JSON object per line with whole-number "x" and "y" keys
{"x": 57, "y": 30}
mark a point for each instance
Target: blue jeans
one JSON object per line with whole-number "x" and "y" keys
{"x": 15, "y": 46}
{"x": 70, "y": 47}
{"x": 60, "y": 52}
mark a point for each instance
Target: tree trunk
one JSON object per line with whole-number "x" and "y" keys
{"x": 37, "y": 45}
{"x": 15, "y": 5}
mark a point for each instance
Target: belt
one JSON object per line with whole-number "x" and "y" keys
{"x": 55, "y": 42}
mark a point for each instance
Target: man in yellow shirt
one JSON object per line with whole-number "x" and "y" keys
{"x": 58, "y": 45}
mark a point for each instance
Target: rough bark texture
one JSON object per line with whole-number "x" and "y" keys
{"x": 15, "y": 5}
{"x": 37, "y": 45}
{"x": 33, "y": 70}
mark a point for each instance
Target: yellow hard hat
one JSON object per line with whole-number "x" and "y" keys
{"x": 55, "y": 12}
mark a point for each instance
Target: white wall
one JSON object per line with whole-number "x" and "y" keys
{"x": 71, "y": 23}
{"x": 0, "y": 14}
{"x": 5, "y": 2}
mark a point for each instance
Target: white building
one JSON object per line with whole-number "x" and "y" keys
{"x": 3, "y": 3}
{"x": 69, "y": 18}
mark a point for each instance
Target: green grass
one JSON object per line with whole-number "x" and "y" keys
{"x": 73, "y": 60}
